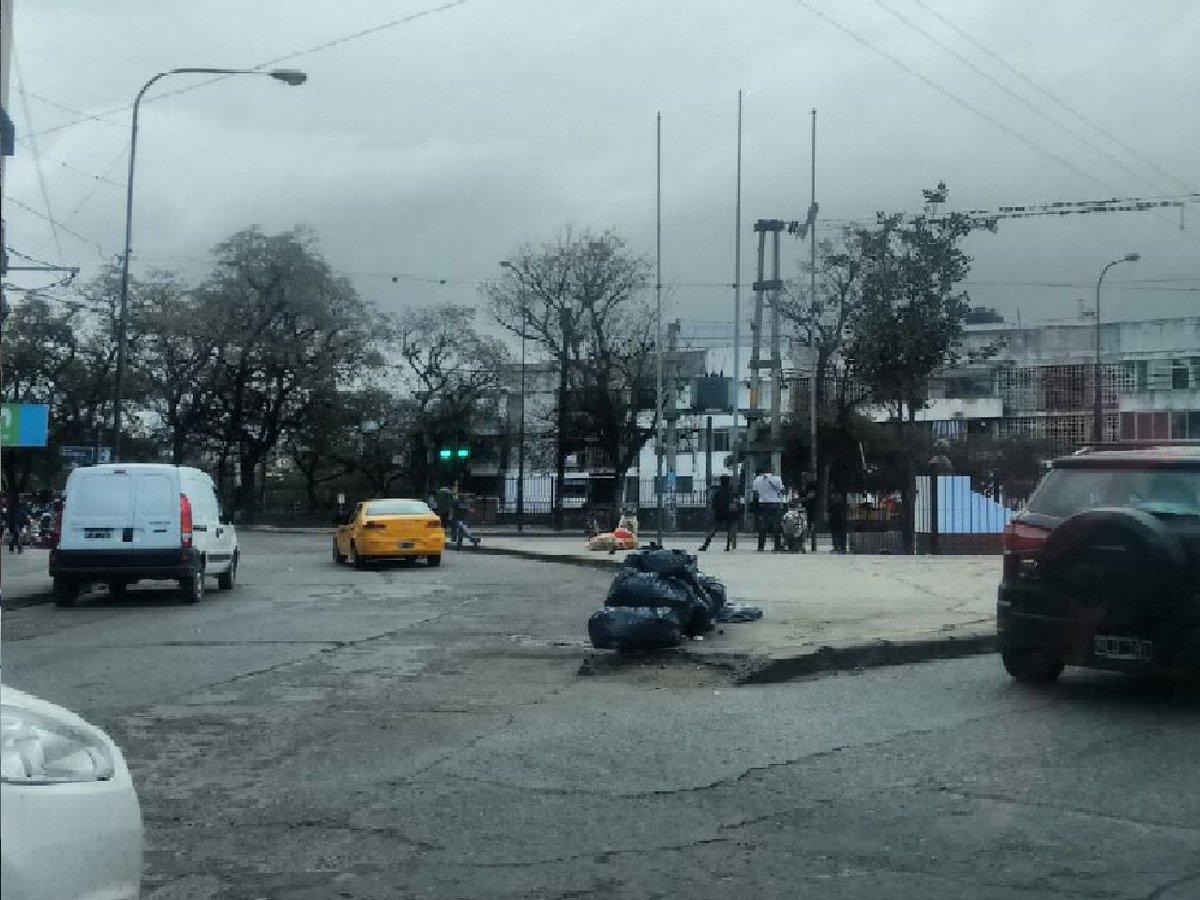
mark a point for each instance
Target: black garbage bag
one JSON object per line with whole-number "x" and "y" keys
{"x": 632, "y": 588}
{"x": 635, "y": 628}
{"x": 682, "y": 593}
{"x": 739, "y": 612}
{"x": 715, "y": 589}
{"x": 663, "y": 562}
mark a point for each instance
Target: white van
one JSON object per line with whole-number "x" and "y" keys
{"x": 126, "y": 522}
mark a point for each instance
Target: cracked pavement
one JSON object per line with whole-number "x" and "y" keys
{"x": 323, "y": 732}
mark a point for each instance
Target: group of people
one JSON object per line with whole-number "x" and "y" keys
{"x": 21, "y": 518}
{"x": 787, "y": 520}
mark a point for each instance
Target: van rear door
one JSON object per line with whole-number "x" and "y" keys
{"x": 98, "y": 508}
{"x": 155, "y": 509}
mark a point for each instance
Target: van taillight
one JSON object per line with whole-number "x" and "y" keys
{"x": 185, "y": 522}
{"x": 1020, "y": 537}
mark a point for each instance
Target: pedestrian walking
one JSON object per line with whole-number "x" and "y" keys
{"x": 459, "y": 530}
{"x": 770, "y": 492}
{"x": 725, "y": 509}
{"x": 16, "y": 520}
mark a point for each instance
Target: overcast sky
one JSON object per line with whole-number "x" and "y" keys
{"x": 434, "y": 147}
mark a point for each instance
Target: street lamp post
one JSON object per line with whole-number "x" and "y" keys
{"x": 1097, "y": 391}
{"x": 291, "y": 77}
{"x": 521, "y": 426}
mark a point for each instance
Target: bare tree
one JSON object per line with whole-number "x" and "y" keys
{"x": 581, "y": 299}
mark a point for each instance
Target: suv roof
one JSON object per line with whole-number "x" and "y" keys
{"x": 1165, "y": 454}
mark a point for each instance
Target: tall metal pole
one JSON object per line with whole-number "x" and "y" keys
{"x": 737, "y": 311}
{"x": 1097, "y": 387}
{"x": 287, "y": 76}
{"x": 521, "y": 443}
{"x": 815, "y": 350}
{"x": 658, "y": 324}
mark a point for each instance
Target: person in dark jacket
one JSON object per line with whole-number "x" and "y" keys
{"x": 838, "y": 515}
{"x": 16, "y": 520}
{"x": 725, "y": 510}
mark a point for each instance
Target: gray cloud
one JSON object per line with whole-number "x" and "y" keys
{"x": 435, "y": 147}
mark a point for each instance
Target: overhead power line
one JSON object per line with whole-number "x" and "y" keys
{"x": 75, "y": 234}
{"x": 37, "y": 160}
{"x": 1052, "y": 98}
{"x": 375, "y": 29}
{"x": 991, "y": 79}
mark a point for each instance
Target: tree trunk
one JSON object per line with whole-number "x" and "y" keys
{"x": 560, "y": 451}
{"x": 908, "y": 489}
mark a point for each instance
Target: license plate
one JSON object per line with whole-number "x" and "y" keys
{"x": 97, "y": 533}
{"x": 407, "y": 545}
{"x": 1135, "y": 649}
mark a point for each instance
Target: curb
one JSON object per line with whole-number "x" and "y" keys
{"x": 607, "y": 562}
{"x": 748, "y": 670}
{"x": 35, "y": 598}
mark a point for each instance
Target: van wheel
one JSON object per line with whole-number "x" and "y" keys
{"x": 338, "y": 559}
{"x": 192, "y": 588}
{"x": 65, "y": 592}
{"x": 117, "y": 589}
{"x": 226, "y": 579}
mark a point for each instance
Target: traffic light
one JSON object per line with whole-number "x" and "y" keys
{"x": 449, "y": 453}
{"x": 463, "y": 452}
{"x": 445, "y": 453}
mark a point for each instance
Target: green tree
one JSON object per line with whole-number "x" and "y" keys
{"x": 453, "y": 375}
{"x": 909, "y": 321}
{"x": 283, "y": 326}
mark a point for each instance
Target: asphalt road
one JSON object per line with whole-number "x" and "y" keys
{"x": 322, "y": 732}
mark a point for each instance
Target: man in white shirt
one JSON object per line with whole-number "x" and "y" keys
{"x": 771, "y": 494}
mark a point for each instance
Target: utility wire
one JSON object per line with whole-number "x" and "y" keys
{"x": 75, "y": 234}
{"x": 37, "y": 161}
{"x": 929, "y": 82}
{"x": 991, "y": 79}
{"x": 1052, "y": 98}
{"x": 375, "y": 29}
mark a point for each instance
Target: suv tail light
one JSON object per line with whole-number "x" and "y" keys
{"x": 185, "y": 522}
{"x": 1022, "y": 538}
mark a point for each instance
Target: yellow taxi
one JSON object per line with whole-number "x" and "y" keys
{"x": 378, "y": 530}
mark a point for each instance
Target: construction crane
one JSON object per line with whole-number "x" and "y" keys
{"x": 1031, "y": 210}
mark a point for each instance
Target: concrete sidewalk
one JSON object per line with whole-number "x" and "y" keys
{"x": 824, "y": 611}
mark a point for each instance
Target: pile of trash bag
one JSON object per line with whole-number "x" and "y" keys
{"x": 657, "y": 598}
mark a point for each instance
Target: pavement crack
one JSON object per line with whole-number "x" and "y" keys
{"x": 1162, "y": 889}
{"x": 1071, "y": 810}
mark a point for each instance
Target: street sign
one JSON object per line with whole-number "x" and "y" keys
{"x": 24, "y": 424}
{"x": 85, "y": 456}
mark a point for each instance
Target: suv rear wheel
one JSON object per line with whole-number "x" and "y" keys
{"x": 1031, "y": 666}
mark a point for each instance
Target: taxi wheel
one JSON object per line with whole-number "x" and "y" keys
{"x": 337, "y": 557}
{"x": 354, "y": 559}
{"x": 435, "y": 560}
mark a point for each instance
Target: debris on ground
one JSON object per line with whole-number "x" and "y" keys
{"x": 657, "y": 598}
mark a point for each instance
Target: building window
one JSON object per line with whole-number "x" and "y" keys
{"x": 1128, "y": 427}
{"x": 1180, "y": 375}
{"x": 1179, "y": 430}
{"x": 1141, "y": 375}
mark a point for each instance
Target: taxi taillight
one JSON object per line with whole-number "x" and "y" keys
{"x": 434, "y": 523}
{"x": 373, "y": 526}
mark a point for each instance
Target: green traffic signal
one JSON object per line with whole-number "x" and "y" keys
{"x": 463, "y": 452}
{"x": 444, "y": 453}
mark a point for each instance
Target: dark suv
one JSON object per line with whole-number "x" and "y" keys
{"x": 1102, "y": 569}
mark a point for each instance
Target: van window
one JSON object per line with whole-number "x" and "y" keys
{"x": 156, "y": 496}
{"x": 99, "y": 495}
